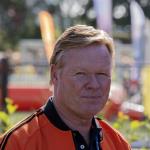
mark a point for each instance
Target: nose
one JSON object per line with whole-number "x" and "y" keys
{"x": 93, "y": 82}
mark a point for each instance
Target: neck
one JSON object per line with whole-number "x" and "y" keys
{"x": 75, "y": 122}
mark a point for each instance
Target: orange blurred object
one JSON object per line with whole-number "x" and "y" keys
{"x": 47, "y": 32}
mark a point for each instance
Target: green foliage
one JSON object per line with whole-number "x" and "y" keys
{"x": 17, "y": 22}
{"x": 19, "y": 18}
{"x": 5, "y": 116}
{"x": 133, "y": 130}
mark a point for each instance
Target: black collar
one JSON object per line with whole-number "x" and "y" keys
{"x": 54, "y": 118}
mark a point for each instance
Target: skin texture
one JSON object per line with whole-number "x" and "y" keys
{"x": 81, "y": 86}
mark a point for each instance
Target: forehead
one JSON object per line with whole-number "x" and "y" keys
{"x": 93, "y": 55}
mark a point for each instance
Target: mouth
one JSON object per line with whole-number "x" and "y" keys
{"x": 91, "y": 97}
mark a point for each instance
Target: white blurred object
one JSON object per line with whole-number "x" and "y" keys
{"x": 103, "y": 10}
{"x": 126, "y": 106}
{"x": 117, "y": 93}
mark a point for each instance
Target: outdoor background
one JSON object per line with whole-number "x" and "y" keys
{"x": 28, "y": 31}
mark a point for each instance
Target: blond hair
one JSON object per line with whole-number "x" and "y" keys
{"x": 80, "y": 36}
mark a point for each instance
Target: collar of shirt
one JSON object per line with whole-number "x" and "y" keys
{"x": 95, "y": 133}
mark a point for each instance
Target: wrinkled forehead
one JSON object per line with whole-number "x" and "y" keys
{"x": 99, "y": 52}
{"x": 89, "y": 53}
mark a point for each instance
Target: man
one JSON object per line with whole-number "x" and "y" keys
{"x": 81, "y": 67}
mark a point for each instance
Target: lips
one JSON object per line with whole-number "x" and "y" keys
{"x": 91, "y": 97}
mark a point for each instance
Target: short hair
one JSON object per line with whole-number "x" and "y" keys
{"x": 80, "y": 36}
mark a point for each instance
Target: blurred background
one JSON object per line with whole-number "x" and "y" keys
{"x": 28, "y": 30}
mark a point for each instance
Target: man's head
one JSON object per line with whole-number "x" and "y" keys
{"x": 80, "y": 36}
{"x": 81, "y": 70}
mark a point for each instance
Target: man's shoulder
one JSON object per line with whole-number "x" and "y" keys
{"x": 24, "y": 130}
{"x": 106, "y": 126}
{"x": 108, "y": 129}
{"x": 110, "y": 133}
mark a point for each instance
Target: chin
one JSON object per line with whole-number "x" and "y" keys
{"x": 87, "y": 116}
{"x": 91, "y": 112}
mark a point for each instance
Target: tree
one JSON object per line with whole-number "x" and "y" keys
{"x": 16, "y": 21}
{"x": 12, "y": 14}
{"x": 19, "y": 18}
{"x": 122, "y": 17}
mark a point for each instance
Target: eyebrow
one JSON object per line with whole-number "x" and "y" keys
{"x": 103, "y": 70}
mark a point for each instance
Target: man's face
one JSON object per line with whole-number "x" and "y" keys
{"x": 82, "y": 85}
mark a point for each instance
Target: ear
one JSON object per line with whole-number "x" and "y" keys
{"x": 53, "y": 74}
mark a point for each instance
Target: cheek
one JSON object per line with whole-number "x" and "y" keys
{"x": 79, "y": 82}
{"x": 106, "y": 85}
{"x": 70, "y": 86}
{"x": 76, "y": 81}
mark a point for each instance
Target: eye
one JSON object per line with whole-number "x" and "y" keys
{"x": 101, "y": 73}
{"x": 80, "y": 73}
{"x": 104, "y": 75}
